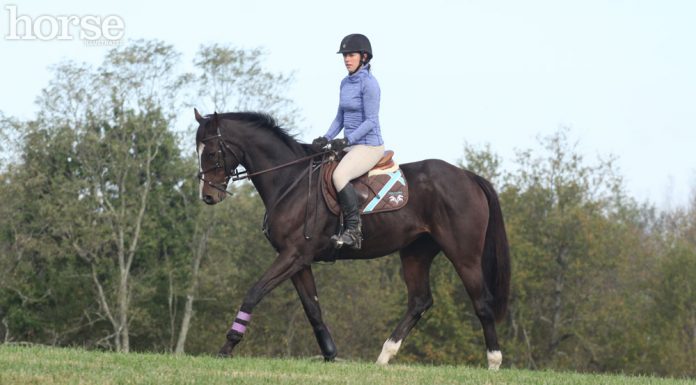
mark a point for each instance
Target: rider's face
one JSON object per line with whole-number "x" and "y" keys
{"x": 351, "y": 61}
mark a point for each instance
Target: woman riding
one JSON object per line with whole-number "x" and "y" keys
{"x": 358, "y": 115}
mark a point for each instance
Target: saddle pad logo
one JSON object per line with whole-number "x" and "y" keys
{"x": 396, "y": 199}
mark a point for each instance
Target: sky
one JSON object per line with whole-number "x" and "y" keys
{"x": 620, "y": 74}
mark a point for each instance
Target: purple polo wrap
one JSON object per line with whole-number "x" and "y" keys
{"x": 239, "y": 328}
{"x": 244, "y": 316}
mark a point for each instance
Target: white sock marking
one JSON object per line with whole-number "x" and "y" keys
{"x": 388, "y": 351}
{"x": 495, "y": 358}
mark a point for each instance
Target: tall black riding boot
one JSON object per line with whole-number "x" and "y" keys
{"x": 351, "y": 235}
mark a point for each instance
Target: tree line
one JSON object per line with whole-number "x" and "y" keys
{"x": 105, "y": 244}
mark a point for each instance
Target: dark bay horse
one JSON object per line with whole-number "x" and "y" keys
{"x": 449, "y": 210}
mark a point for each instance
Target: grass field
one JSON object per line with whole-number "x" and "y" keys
{"x": 42, "y": 365}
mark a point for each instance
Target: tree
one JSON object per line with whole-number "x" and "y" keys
{"x": 114, "y": 129}
{"x": 39, "y": 273}
{"x": 234, "y": 79}
{"x": 673, "y": 296}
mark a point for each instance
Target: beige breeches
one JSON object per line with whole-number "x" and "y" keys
{"x": 359, "y": 160}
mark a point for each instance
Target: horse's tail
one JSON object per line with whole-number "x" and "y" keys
{"x": 496, "y": 253}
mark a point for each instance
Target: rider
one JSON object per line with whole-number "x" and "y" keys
{"x": 358, "y": 114}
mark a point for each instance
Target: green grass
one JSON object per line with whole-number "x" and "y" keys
{"x": 43, "y": 365}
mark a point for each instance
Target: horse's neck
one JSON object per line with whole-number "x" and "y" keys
{"x": 272, "y": 185}
{"x": 265, "y": 155}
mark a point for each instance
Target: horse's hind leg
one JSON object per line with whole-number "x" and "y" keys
{"x": 481, "y": 299}
{"x": 469, "y": 270}
{"x": 463, "y": 243}
{"x": 416, "y": 259}
{"x": 306, "y": 289}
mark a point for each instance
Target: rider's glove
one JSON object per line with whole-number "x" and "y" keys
{"x": 339, "y": 144}
{"x": 319, "y": 143}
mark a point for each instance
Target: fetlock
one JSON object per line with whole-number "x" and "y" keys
{"x": 234, "y": 336}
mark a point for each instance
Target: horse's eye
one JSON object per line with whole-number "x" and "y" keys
{"x": 211, "y": 155}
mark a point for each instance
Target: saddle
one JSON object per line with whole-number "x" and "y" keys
{"x": 381, "y": 189}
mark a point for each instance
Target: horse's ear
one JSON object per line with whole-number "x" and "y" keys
{"x": 199, "y": 118}
{"x": 215, "y": 118}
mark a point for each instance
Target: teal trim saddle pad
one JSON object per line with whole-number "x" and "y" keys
{"x": 382, "y": 190}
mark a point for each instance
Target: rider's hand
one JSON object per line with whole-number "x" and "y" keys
{"x": 319, "y": 143}
{"x": 339, "y": 144}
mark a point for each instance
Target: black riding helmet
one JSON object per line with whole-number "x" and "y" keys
{"x": 356, "y": 43}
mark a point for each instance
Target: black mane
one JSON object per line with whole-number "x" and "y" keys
{"x": 267, "y": 122}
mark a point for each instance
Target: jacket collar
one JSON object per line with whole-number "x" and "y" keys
{"x": 364, "y": 70}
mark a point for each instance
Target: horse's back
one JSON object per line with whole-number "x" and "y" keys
{"x": 444, "y": 194}
{"x": 442, "y": 180}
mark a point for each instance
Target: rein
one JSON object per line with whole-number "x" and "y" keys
{"x": 245, "y": 175}
{"x": 235, "y": 175}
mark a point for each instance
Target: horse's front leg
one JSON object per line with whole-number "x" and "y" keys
{"x": 307, "y": 290}
{"x": 284, "y": 267}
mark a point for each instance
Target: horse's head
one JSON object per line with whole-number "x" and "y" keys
{"x": 216, "y": 161}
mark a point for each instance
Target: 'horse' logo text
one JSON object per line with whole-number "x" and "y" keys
{"x": 92, "y": 29}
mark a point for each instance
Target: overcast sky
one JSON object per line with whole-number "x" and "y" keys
{"x": 620, "y": 74}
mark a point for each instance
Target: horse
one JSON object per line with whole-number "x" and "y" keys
{"x": 450, "y": 210}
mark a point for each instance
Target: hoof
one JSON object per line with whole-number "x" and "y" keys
{"x": 330, "y": 358}
{"x": 225, "y": 351}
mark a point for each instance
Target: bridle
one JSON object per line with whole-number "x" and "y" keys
{"x": 221, "y": 162}
{"x": 235, "y": 174}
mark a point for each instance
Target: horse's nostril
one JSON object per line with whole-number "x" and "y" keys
{"x": 208, "y": 199}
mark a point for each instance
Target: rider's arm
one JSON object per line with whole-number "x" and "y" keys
{"x": 336, "y": 126}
